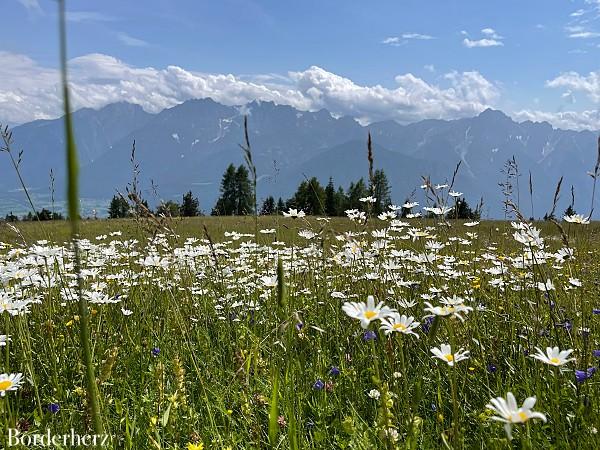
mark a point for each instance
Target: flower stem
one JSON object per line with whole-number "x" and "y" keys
{"x": 453, "y": 387}
{"x": 405, "y": 393}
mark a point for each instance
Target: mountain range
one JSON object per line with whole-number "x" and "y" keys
{"x": 188, "y": 147}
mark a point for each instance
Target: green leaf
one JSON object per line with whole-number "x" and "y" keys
{"x": 273, "y": 412}
{"x": 165, "y": 418}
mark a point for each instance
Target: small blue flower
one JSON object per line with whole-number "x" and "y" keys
{"x": 53, "y": 408}
{"x": 334, "y": 371}
{"x": 596, "y": 353}
{"x": 369, "y": 335}
{"x": 595, "y": 311}
{"x": 580, "y": 376}
{"x": 427, "y": 324}
{"x": 155, "y": 351}
{"x": 299, "y": 326}
{"x": 318, "y": 385}
{"x": 567, "y": 325}
{"x": 491, "y": 368}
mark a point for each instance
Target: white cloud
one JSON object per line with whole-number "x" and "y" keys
{"x": 581, "y": 23}
{"x": 31, "y": 5}
{"x": 573, "y": 81}
{"x": 576, "y": 120}
{"x": 490, "y": 39}
{"x": 87, "y": 16}
{"x": 29, "y": 91}
{"x": 491, "y": 33}
{"x": 584, "y": 35}
{"x": 418, "y": 36}
{"x": 397, "y": 41}
{"x": 413, "y": 99}
{"x": 131, "y": 41}
{"x": 568, "y": 97}
{"x": 568, "y": 120}
{"x": 429, "y": 68}
{"x": 393, "y": 41}
{"x": 482, "y": 43}
{"x": 574, "y": 28}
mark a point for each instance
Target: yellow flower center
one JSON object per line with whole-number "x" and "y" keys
{"x": 399, "y": 326}
{"x": 5, "y": 385}
{"x": 449, "y": 357}
{"x": 370, "y": 314}
{"x": 554, "y": 360}
{"x": 523, "y": 416}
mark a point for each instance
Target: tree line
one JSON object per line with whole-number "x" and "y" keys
{"x": 43, "y": 215}
{"x": 236, "y": 199}
{"x": 120, "y": 207}
{"x": 314, "y": 199}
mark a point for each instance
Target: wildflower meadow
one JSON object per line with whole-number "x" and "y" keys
{"x": 402, "y": 326}
{"x": 363, "y": 332}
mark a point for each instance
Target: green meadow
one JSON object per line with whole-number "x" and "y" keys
{"x": 202, "y": 337}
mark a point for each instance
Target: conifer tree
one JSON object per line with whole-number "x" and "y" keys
{"x": 226, "y": 204}
{"x": 381, "y": 191}
{"x": 280, "y": 206}
{"x": 309, "y": 197}
{"x": 330, "y": 199}
{"x": 190, "y": 206}
{"x": 118, "y": 208}
{"x": 356, "y": 191}
{"x": 268, "y": 206}
{"x": 244, "y": 199}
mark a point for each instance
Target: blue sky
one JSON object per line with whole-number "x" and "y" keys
{"x": 401, "y": 60}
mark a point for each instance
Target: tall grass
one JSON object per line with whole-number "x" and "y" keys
{"x": 73, "y": 210}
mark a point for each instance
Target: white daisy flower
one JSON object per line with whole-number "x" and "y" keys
{"x": 294, "y": 213}
{"x": 553, "y": 356}
{"x": 367, "y": 312}
{"x": 578, "y": 219}
{"x": 10, "y": 382}
{"x": 444, "y": 352}
{"x": 508, "y": 412}
{"x": 4, "y": 339}
{"x": 399, "y": 323}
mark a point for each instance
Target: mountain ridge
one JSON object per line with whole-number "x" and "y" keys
{"x": 189, "y": 145}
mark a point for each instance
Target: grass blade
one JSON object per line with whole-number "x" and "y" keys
{"x": 73, "y": 208}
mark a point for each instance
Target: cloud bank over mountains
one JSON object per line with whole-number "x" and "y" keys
{"x": 30, "y": 91}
